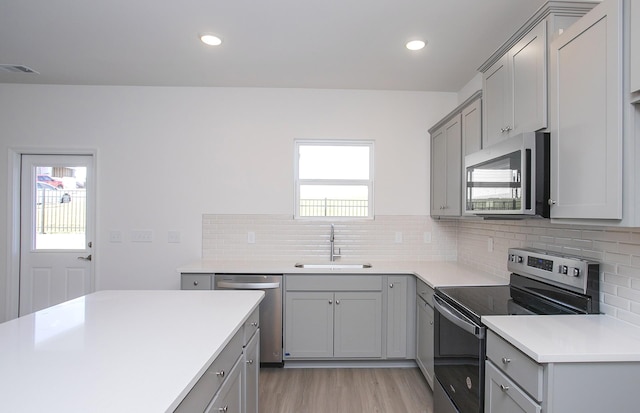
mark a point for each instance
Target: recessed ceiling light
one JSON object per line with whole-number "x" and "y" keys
{"x": 415, "y": 45}
{"x": 210, "y": 39}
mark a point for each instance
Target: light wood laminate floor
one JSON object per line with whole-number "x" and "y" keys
{"x": 297, "y": 390}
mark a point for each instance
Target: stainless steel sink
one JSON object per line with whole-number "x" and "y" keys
{"x": 333, "y": 266}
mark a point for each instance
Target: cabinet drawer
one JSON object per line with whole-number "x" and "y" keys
{"x": 515, "y": 364}
{"x": 195, "y": 282}
{"x": 334, "y": 283}
{"x": 201, "y": 394}
{"x": 503, "y": 395}
{"x": 229, "y": 398}
{"x": 424, "y": 291}
{"x": 250, "y": 326}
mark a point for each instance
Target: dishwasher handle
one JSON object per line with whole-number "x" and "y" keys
{"x": 248, "y": 286}
{"x": 457, "y": 318}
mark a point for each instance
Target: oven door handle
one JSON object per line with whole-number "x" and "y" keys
{"x": 457, "y": 318}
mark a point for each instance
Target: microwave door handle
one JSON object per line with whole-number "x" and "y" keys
{"x": 457, "y": 319}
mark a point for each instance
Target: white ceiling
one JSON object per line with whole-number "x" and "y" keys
{"x": 344, "y": 44}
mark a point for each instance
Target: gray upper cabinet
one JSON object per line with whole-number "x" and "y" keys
{"x": 635, "y": 50}
{"x": 472, "y": 127}
{"x": 497, "y": 101}
{"x": 515, "y": 89}
{"x": 446, "y": 162}
{"x": 587, "y": 117}
{"x": 515, "y": 86}
{"x": 457, "y": 134}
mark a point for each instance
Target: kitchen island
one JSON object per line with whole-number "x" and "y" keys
{"x": 117, "y": 351}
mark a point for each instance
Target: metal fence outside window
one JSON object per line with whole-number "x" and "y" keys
{"x": 334, "y": 207}
{"x": 61, "y": 211}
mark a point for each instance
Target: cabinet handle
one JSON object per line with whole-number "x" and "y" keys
{"x": 249, "y": 361}
{"x": 223, "y": 409}
{"x": 506, "y": 360}
{"x": 220, "y": 373}
{"x": 430, "y": 322}
{"x": 337, "y": 302}
{"x": 195, "y": 283}
{"x": 391, "y": 285}
{"x": 330, "y": 302}
{"x": 504, "y": 388}
{"x": 551, "y": 202}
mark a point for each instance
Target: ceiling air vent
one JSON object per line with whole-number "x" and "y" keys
{"x": 17, "y": 69}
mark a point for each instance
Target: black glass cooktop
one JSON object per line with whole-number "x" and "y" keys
{"x": 477, "y": 301}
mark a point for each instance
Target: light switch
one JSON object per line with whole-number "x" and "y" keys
{"x": 251, "y": 237}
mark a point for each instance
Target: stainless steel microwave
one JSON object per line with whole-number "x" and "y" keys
{"x": 510, "y": 179}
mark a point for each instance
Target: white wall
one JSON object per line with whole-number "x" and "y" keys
{"x": 165, "y": 156}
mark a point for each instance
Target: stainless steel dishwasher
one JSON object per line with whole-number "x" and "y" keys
{"x": 270, "y": 310}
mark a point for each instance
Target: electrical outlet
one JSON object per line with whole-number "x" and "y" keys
{"x": 490, "y": 244}
{"x": 398, "y": 237}
{"x": 115, "y": 236}
{"x": 426, "y": 236}
{"x": 251, "y": 237}
{"x": 173, "y": 237}
{"x": 142, "y": 236}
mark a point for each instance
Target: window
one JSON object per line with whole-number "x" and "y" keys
{"x": 334, "y": 179}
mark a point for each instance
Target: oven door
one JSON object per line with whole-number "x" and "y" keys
{"x": 459, "y": 353}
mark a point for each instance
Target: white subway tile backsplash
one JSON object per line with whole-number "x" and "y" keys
{"x": 617, "y": 250}
{"x": 280, "y": 237}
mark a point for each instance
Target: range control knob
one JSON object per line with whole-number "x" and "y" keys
{"x": 564, "y": 269}
{"x": 520, "y": 259}
{"x": 576, "y": 272}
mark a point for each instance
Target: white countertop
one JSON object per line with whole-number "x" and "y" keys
{"x": 117, "y": 351}
{"x": 434, "y": 273}
{"x": 569, "y": 338}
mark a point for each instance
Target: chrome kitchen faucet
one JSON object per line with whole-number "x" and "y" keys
{"x": 332, "y": 238}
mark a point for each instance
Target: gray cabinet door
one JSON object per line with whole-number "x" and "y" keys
{"x": 446, "y": 169}
{"x": 503, "y": 395}
{"x": 528, "y": 62}
{"x": 438, "y": 172}
{"x": 497, "y": 102}
{"x": 634, "y": 70}
{"x": 397, "y": 295}
{"x": 309, "y": 325}
{"x": 472, "y": 128}
{"x": 358, "y": 325}
{"x": 251, "y": 359}
{"x": 425, "y": 336}
{"x": 586, "y": 117}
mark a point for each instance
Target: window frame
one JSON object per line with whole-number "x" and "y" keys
{"x": 369, "y": 183}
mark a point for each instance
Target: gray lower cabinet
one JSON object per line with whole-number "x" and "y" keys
{"x": 251, "y": 360}
{"x": 230, "y": 383}
{"x": 516, "y": 383}
{"x": 425, "y": 331}
{"x": 400, "y": 291}
{"x": 333, "y": 325}
{"x": 229, "y": 397}
{"x": 504, "y": 396}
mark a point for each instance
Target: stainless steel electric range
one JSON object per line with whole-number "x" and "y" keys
{"x": 541, "y": 282}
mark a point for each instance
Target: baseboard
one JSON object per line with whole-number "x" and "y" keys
{"x": 349, "y": 364}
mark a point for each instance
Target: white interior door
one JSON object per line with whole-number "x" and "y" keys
{"x": 57, "y": 226}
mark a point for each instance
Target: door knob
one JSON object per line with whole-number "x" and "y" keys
{"x": 87, "y": 258}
